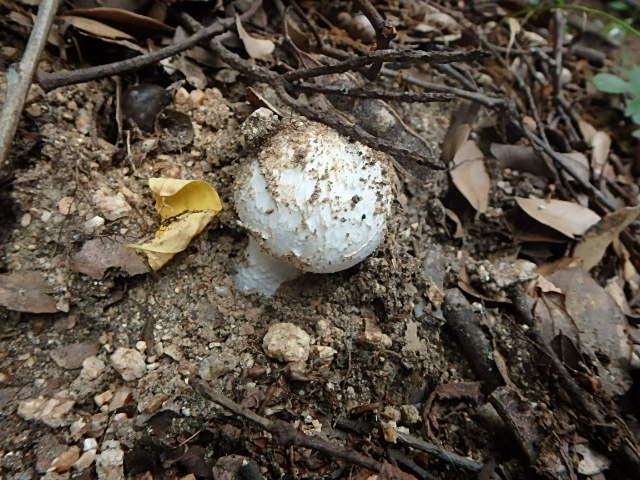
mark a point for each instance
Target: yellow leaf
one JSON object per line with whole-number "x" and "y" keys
{"x": 176, "y": 196}
{"x": 186, "y": 208}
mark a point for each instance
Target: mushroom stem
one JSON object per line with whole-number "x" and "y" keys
{"x": 261, "y": 272}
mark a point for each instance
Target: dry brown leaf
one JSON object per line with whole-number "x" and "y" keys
{"x": 130, "y": 22}
{"x": 469, "y": 175}
{"x": 255, "y": 47}
{"x": 598, "y": 238}
{"x": 520, "y": 157}
{"x": 96, "y": 28}
{"x": 560, "y": 264}
{"x": 599, "y": 327}
{"x": 26, "y": 291}
{"x": 100, "y": 254}
{"x": 568, "y": 218}
{"x": 601, "y": 143}
{"x": 616, "y": 290}
{"x": 459, "y": 233}
{"x": 587, "y": 130}
{"x": 580, "y": 164}
{"x": 462, "y": 120}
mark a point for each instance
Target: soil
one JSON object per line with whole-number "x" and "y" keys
{"x": 188, "y": 320}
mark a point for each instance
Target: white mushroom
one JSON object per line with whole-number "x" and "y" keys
{"x": 312, "y": 200}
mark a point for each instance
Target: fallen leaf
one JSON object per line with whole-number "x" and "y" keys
{"x": 586, "y": 130}
{"x": 99, "y": 254}
{"x": 596, "y": 325}
{"x": 186, "y": 208}
{"x": 601, "y": 143}
{"x": 580, "y": 164}
{"x": 568, "y": 218}
{"x": 520, "y": 157}
{"x": 255, "y": 47}
{"x": 130, "y": 22}
{"x": 96, "y": 28}
{"x": 451, "y": 215}
{"x": 598, "y": 238}
{"x": 514, "y": 29}
{"x": 462, "y": 120}
{"x": 26, "y": 291}
{"x": 469, "y": 175}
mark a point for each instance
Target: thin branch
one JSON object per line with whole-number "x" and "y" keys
{"x": 419, "y": 97}
{"x": 412, "y": 161}
{"x": 405, "y": 56}
{"x": 49, "y": 81}
{"x": 441, "y": 453}
{"x": 409, "y": 160}
{"x": 284, "y": 434}
{"x": 562, "y": 163}
{"x": 19, "y": 82}
{"x": 385, "y": 32}
{"x": 482, "y": 99}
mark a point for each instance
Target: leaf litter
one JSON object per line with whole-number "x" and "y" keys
{"x": 405, "y": 352}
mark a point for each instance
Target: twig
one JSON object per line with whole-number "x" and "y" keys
{"x": 305, "y": 19}
{"x": 407, "y": 56}
{"x": 482, "y": 99}
{"x": 371, "y": 93}
{"x": 562, "y": 163}
{"x": 19, "y": 82}
{"x": 441, "y": 453}
{"x": 452, "y": 72}
{"x": 49, "y": 81}
{"x": 475, "y": 345}
{"x": 385, "y": 32}
{"x": 407, "y": 159}
{"x": 284, "y": 434}
{"x": 398, "y": 457}
{"x": 280, "y": 85}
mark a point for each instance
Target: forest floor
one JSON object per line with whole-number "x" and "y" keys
{"x": 493, "y": 334}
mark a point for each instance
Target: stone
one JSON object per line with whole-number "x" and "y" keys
{"x": 92, "y": 368}
{"x": 409, "y": 414}
{"x": 121, "y": 397}
{"x": 64, "y": 461}
{"x": 50, "y": 411}
{"x": 323, "y": 354}
{"x": 286, "y": 342}
{"x": 85, "y": 460}
{"x": 373, "y": 336}
{"x": 47, "y": 449}
{"x": 217, "y": 364}
{"x": 112, "y": 205}
{"x": 110, "y": 464}
{"x": 70, "y": 357}
{"x": 89, "y": 444}
{"x": 129, "y": 363}
{"x": 102, "y": 398}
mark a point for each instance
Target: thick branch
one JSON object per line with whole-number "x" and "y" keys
{"x": 19, "y": 82}
{"x": 285, "y": 434}
{"x": 50, "y": 81}
{"x": 385, "y": 32}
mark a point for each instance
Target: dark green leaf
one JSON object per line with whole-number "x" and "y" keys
{"x": 609, "y": 83}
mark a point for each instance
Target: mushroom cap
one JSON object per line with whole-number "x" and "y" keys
{"x": 313, "y": 198}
